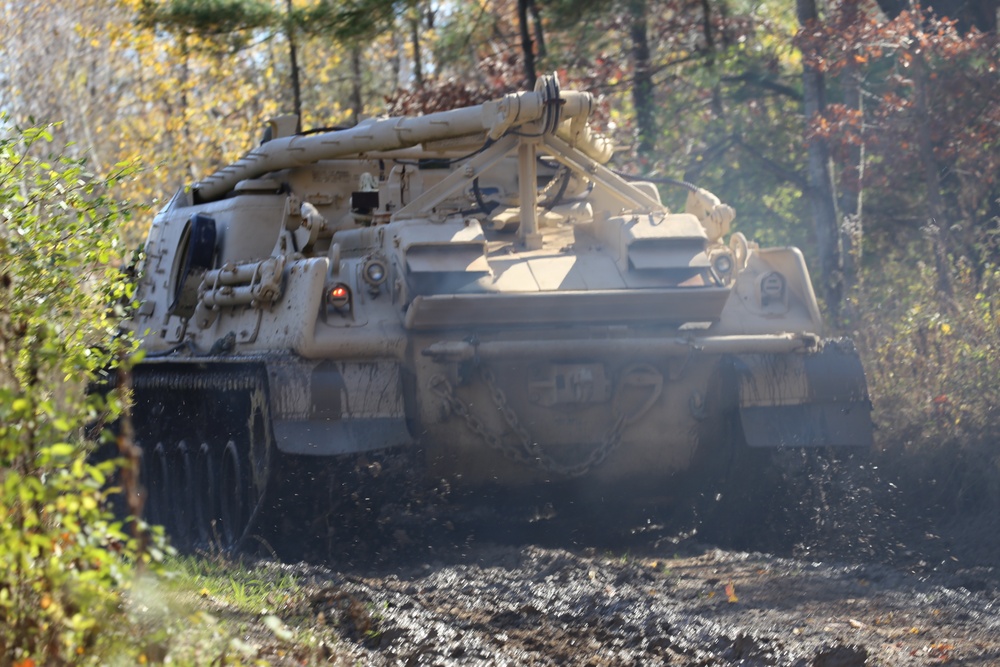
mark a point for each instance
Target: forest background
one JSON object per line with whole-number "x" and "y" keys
{"x": 867, "y": 133}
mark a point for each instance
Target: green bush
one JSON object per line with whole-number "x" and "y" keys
{"x": 65, "y": 561}
{"x": 932, "y": 369}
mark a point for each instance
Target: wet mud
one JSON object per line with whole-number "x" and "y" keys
{"x": 818, "y": 570}
{"x": 677, "y": 603}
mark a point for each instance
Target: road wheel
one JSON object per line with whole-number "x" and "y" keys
{"x": 158, "y": 499}
{"x": 233, "y": 497}
{"x": 206, "y": 501}
{"x": 182, "y": 492}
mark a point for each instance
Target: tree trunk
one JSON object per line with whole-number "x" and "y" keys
{"x": 536, "y": 17}
{"x": 851, "y": 189}
{"x": 396, "y": 59}
{"x": 183, "y": 85}
{"x": 642, "y": 88}
{"x": 527, "y": 48}
{"x": 418, "y": 66}
{"x": 357, "y": 103}
{"x": 706, "y": 28}
{"x": 820, "y": 191}
{"x": 294, "y": 63}
{"x": 935, "y": 228}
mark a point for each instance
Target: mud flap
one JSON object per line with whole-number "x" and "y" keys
{"x": 818, "y": 399}
{"x": 333, "y": 408}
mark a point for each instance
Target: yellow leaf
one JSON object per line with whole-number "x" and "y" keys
{"x": 731, "y": 592}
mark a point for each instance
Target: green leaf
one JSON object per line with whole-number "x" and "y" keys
{"x": 278, "y": 628}
{"x": 60, "y": 450}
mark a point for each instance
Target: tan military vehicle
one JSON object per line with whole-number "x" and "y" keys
{"x": 474, "y": 287}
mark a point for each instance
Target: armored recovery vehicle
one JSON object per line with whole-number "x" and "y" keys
{"x": 473, "y": 288}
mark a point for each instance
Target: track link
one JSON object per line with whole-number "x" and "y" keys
{"x": 207, "y": 451}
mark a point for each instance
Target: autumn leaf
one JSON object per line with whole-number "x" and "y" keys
{"x": 731, "y": 592}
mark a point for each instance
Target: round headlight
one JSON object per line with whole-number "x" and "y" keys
{"x": 374, "y": 272}
{"x": 723, "y": 264}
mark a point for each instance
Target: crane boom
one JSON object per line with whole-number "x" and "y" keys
{"x": 556, "y": 112}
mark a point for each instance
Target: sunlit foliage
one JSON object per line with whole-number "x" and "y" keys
{"x": 65, "y": 561}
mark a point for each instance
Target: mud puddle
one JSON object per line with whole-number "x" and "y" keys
{"x": 827, "y": 581}
{"x": 669, "y": 603}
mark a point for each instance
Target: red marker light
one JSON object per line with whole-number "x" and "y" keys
{"x": 338, "y": 296}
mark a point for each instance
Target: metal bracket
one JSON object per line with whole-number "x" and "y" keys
{"x": 457, "y": 179}
{"x": 625, "y": 192}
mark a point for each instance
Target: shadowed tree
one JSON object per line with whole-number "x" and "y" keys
{"x": 642, "y": 85}
{"x": 527, "y": 47}
{"x": 820, "y": 189}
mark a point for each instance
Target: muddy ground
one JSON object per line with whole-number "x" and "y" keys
{"x": 862, "y": 589}
{"x": 528, "y": 605}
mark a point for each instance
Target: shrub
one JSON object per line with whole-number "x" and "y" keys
{"x": 65, "y": 561}
{"x": 932, "y": 370}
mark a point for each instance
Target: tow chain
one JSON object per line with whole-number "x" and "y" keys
{"x": 526, "y": 450}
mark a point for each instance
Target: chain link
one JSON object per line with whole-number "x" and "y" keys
{"x": 526, "y": 450}
{"x": 440, "y": 386}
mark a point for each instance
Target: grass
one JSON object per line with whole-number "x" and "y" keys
{"x": 240, "y": 587}
{"x": 219, "y": 611}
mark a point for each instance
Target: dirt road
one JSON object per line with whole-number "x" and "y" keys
{"x": 674, "y": 604}
{"x": 870, "y": 588}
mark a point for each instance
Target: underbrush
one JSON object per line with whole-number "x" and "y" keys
{"x": 66, "y": 562}
{"x": 933, "y": 367}
{"x": 215, "y": 609}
